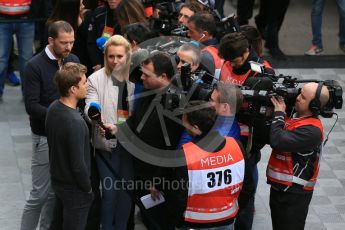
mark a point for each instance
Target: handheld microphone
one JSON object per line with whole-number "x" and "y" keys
{"x": 101, "y": 43}
{"x": 94, "y": 114}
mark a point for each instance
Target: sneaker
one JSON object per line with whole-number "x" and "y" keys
{"x": 13, "y": 78}
{"x": 313, "y": 50}
{"x": 342, "y": 47}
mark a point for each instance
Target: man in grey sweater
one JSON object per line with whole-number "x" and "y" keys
{"x": 69, "y": 148}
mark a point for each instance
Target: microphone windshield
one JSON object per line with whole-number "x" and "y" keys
{"x": 94, "y": 111}
{"x": 259, "y": 83}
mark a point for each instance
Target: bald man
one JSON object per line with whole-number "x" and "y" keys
{"x": 294, "y": 163}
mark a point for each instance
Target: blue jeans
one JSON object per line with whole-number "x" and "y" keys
{"x": 316, "y": 21}
{"x": 116, "y": 203}
{"x": 25, "y": 36}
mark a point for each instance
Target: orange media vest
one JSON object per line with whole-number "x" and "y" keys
{"x": 215, "y": 182}
{"x": 280, "y": 165}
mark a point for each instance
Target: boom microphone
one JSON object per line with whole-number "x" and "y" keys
{"x": 94, "y": 114}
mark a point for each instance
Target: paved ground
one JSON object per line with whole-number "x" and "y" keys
{"x": 327, "y": 210}
{"x": 295, "y": 35}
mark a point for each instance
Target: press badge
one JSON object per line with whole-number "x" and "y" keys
{"x": 122, "y": 116}
{"x": 107, "y": 32}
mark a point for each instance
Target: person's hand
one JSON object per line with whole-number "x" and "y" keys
{"x": 96, "y": 67}
{"x": 279, "y": 104}
{"x": 112, "y": 128}
{"x": 154, "y": 193}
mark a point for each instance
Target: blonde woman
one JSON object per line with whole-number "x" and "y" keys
{"x": 110, "y": 88}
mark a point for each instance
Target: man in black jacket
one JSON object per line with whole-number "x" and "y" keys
{"x": 69, "y": 148}
{"x": 295, "y": 160}
{"x": 40, "y": 92}
{"x": 102, "y": 24}
{"x": 151, "y": 136}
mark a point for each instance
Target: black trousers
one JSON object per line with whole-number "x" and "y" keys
{"x": 71, "y": 209}
{"x": 272, "y": 13}
{"x": 289, "y": 210}
{"x": 219, "y": 6}
{"x": 244, "y": 11}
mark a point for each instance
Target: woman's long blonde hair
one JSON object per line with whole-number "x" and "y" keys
{"x": 118, "y": 40}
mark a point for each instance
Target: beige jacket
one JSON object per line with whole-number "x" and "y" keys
{"x": 102, "y": 91}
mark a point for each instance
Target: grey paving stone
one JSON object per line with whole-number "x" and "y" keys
{"x": 313, "y": 218}
{"x": 320, "y": 200}
{"x": 22, "y": 139}
{"x": 331, "y": 218}
{"x": 337, "y": 200}
{"x": 339, "y": 165}
{"x": 23, "y": 131}
{"x": 335, "y": 226}
{"x": 325, "y": 72}
{"x": 262, "y": 222}
{"x": 329, "y": 182}
{"x": 23, "y": 150}
{"x": 8, "y": 160}
{"x": 340, "y": 208}
{"x": 314, "y": 226}
{"x": 11, "y": 192}
{"x": 10, "y": 223}
{"x": 340, "y": 174}
{"x": 340, "y": 72}
{"x": 326, "y": 174}
{"x": 9, "y": 174}
{"x": 10, "y": 210}
{"x": 333, "y": 191}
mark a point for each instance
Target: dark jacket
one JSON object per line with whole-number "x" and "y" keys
{"x": 151, "y": 134}
{"x": 39, "y": 88}
{"x": 102, "y": 16}
{"x": 80, "y": 47}
{"x": 303, "y": 142}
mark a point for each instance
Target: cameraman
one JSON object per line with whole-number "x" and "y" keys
{"x": 294, "y": 163}
{"x": 237, "y": 53}
{"x": 202, "y": 29}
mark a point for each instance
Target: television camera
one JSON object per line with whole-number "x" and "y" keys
{"x": 258, "y": 91}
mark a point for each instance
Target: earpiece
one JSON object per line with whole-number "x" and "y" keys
{"x": 202, "y": 36}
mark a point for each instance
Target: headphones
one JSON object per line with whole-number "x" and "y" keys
{"x": 315, "y": 104}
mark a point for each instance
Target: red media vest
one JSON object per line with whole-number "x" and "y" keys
{"x": 280, "y": 165}
{"x": 215, "y": 182}
{"x": 218, "y": 62}
{"x": 227, "y": 74}
{"x": 14, "y": 7}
